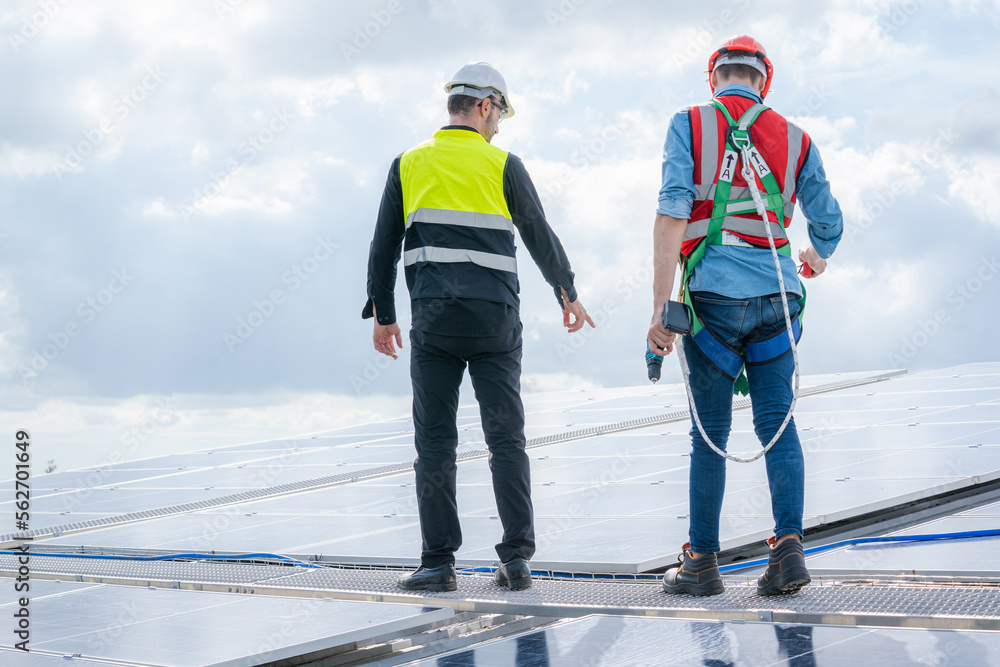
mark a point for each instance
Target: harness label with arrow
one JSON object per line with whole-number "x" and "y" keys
{"x": 728, "y": 166}
{"x": 758, "y": 163}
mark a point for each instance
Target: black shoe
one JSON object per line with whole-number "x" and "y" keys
{"x": 514, "y": 573}
{"x": 434, "y": 579}
{"x": 694, "y": 576}
{"x": 786, "y": 569}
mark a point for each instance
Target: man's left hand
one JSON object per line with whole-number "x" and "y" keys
{"x": 811, "y": 257}
{"x": 384, "y": 336}
{"x": 578, "y": 312}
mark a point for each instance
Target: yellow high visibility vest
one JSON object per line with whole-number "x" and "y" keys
{"x": 459, "y": 238}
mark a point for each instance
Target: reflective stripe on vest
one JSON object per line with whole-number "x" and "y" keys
{"x": 442, "y": 216}
{"x": 707, "y": 192}
{"x": 699, "y": 228}
{"x": 459, "y": 238}
{"x": 450, "y": 255}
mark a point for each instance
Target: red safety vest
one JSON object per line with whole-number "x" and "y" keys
{"x": 783, "y": 146}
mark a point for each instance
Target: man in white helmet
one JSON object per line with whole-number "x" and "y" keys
{"x": 454, "y": 201}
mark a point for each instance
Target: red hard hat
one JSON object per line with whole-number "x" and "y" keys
{"x": 745, "y": 44}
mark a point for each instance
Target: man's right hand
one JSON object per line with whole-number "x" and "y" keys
{"x": 579, "y": 313}
{"x": 659, "y": 340}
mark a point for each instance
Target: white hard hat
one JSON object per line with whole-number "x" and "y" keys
{"x": 480, "y": 80}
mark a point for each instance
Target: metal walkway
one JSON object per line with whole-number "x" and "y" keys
{"x": 974, "y": 606}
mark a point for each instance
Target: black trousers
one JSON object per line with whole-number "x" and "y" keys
{"x": 437, "y": 364}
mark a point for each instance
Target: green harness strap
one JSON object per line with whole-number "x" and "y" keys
{"x": 737, "y": 138}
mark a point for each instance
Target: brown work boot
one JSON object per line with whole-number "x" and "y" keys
{"x": 786, "y": 569}
{"x": 694, "y": 576}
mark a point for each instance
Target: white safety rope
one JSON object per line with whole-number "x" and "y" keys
{"x": 748, "y": 176}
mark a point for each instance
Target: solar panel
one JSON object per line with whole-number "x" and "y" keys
{"x": 976, "y": 556}
{"x": 127, "y": 625}
{"x": 599, "y": 641}
{"x": 16, "y": 658}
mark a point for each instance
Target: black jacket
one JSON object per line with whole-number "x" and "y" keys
{"x": 462, "y": 317}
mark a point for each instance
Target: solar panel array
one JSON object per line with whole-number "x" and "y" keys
{"x": 615, "y": 502}
{"x": 610, "y": 495}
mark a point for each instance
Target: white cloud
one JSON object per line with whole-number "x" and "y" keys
{"x": 856, "y": 40}
{"x": 563, "y": 91}
{"x": 976, "y": 180}
{"x": 312, "y": 94}
{"x": 22, "y": 162}
{"x": 271, "y": 189}
{"x": 539, "y": 382}
{"x": 372, "y": 86}
{"x": 12, "y": 328}
{"x": 158, "y": 209}
{"x": 825, "y": 131}
{"x": 199, "y": 154}
{"x": 976, "y": 6}
{"x": 877, "y": 178}
{"x": 332, "y": 160}
{"x": 568, "y": 134}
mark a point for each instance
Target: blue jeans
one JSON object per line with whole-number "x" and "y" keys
{"x": 736, "y": 322}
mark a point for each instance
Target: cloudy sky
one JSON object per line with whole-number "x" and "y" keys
{"x": 188, "y": 190}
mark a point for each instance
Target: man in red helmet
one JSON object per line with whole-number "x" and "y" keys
{"x": 708, "y": 218}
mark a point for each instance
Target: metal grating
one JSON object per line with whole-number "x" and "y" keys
{"x": 836, "y": 603}
{"x": 381, "y": 471}
{"x": 149, "y": 570}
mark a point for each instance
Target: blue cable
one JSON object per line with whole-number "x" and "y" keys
{"x": 872, "y": 540}
{"x": 284, "y": 559}
{"x": 725, "y": 568}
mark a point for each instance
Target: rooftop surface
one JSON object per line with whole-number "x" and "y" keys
{"x": 331, "y": 519}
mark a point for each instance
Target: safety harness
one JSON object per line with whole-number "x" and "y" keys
{"x": 728, "y": 361}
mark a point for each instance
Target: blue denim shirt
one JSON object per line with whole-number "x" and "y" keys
{"x": 734, "y": 271}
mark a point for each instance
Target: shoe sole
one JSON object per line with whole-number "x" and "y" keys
{"x": 700, "y": 590}
{"x": 786, "y": 583}
{"x": 433, "y": 588}
{"x": 516, "y": 584}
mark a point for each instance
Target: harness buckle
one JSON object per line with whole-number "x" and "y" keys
{"x": 739, "y": 139}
